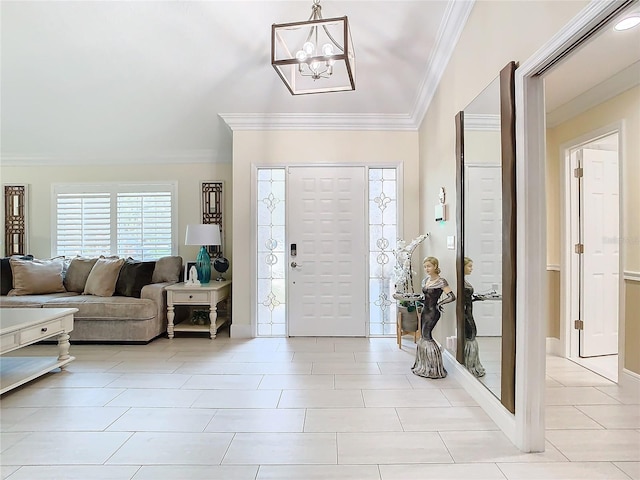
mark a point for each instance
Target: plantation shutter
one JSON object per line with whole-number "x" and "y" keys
{"x": 83, "y": 224}
{"x": 128, "y": 220}
{"x": 144, "y": 225}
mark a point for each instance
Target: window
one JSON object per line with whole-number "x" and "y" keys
{"x": 128, "y": 220}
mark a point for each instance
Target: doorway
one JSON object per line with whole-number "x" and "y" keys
{"x": 326, "y": 268}
{"x": 593, "y": 181}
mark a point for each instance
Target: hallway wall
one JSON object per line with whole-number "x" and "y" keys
{"x": 491, "y": 38}
{"x": 624, "y": 108}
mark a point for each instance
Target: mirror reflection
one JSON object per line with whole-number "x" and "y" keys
{"x": 482, "y": 240}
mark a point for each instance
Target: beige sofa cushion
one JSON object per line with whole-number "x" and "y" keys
{"x": 77, "y": 273}
{"x": 32, "y": 277}
{"x": 103, "y": 277}
{"x": 167, "y": 269}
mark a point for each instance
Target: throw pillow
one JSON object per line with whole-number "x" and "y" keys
{"x": 32, "y": 277}
{"x": 133, "y": 276}
{"x": 167, "y": 270}
{"x": 77, "y": 273}
{"x": 6, "y": 276}
{"x": 103, "y": 277}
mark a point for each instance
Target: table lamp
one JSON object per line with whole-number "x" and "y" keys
{"x": 203, "y": 235}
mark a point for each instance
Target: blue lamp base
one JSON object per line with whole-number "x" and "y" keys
{"x": 203, "y": 265}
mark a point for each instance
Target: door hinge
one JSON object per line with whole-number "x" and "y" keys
{"x": 579, "y": 248}
{"x": 578, "y": 172}
{"x": 578, "y": 324}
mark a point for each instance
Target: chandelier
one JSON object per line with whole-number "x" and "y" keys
{"x": 315, "y": 56}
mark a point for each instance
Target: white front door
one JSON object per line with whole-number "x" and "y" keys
{"x": 326, "y": 251}
{"x": 599, "y": 218}
{"x": 483, "y": 242}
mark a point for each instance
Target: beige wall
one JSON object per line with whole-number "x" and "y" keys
{"x": 40, "y": 179}
{"x": 279, "y": 148}
{"x": 492, "y": 37}
{"x": 632, "y": 326}
{"x": 623, "y": 109}
{"x": 553, "y": 303}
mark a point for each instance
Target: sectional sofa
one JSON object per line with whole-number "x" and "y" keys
{"x": 118, "y": 300}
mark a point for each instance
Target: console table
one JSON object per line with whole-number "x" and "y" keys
{"x": 206, "y": 294}
{"x": 20, "y": 327}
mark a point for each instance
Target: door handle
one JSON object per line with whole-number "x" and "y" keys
{"x": 294, "y": 265}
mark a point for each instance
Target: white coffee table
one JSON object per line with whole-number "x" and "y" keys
{"x": 20, "y": 327}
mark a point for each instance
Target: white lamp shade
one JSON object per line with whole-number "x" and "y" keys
{"x": 203, "y": 234}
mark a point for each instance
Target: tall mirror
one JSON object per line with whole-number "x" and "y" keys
{"x": 486, "y": 237}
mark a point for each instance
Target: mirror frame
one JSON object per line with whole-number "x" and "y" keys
{"x": 508, "y": 155}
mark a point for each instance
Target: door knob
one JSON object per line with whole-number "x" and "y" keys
{"x": 294, "y": 264}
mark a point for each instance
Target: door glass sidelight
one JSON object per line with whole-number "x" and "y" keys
{"x": 271, "y": 253}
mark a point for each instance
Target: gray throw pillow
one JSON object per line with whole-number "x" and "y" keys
{"x": 77, "y": 273}
{"x": 167, "y": 269}
{"x": 103, "y": 277}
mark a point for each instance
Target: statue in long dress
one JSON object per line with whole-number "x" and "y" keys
{"x": 436, "y": 292}
{"x": 471, "y": 350}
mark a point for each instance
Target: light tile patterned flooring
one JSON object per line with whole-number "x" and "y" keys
{"x": 196, "y": 409}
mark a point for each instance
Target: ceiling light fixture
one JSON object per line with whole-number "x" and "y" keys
{"x": 627, "y": 23}
{"x": 315, "y": 56}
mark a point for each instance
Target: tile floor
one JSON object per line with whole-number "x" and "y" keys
{"x": 196, "y": 409}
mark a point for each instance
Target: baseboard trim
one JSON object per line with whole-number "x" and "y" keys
{"x": 240, "y": 331}
{"x": 505, "y": 420}
{"x": 554, "y": 347}
{"x": 629, "y": 379}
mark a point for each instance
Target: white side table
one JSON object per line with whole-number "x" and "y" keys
{"x": 207, "y": 294}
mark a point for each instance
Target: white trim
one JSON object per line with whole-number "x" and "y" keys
{"x": 553, "y": 267}
{"x": 143, "y": 158}
{"x": 240, "y": 331}
{"x": 610, "y": 88}
{"x": 451, "y": 27}
{"x": 531, "y": 228}
{"x": 629, "y": 379}
{"x": 482, "y": 122}
{"x": 318, "y": 121}
{"x": 481, "y": 394}
{"x": 631, "y": 276}
{"x": 554, "y": 346}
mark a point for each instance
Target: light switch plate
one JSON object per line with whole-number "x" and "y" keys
{"x": 451, "y": 242}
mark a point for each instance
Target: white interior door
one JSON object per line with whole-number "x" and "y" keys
{"x": 483, "y": 242}
{"x": 599, "y": 218}
{"x": 327, "y": 276}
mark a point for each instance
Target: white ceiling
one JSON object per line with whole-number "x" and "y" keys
{"x": 145, "y": 81}
{"x": 149, "y": 79}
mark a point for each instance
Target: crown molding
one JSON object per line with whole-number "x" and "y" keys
{"x": 482, "y": 122}
{"x": 317, "y": 121}
{"x": 610, "y": 88}
{"x": 453, "y": 23}
{"x": 455, "y": 18}
{"x": 148, "y": 158}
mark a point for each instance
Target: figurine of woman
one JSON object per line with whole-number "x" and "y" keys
{"x": 471, "y": 351}
{"x": 436, "y": 292}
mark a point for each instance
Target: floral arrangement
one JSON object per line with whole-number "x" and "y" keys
{"x": 403, "y": 271}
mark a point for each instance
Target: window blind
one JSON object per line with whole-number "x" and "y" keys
{"x": 129, "y": 221}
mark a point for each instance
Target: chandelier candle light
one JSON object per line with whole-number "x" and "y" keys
{"x": 315, "y": 56}
{"x": 203, "y": 235}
